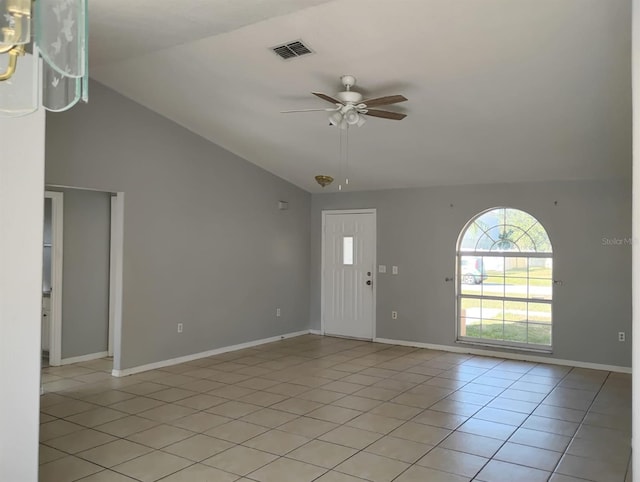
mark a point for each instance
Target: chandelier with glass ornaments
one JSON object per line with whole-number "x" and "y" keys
{"x": 43, "y": 55}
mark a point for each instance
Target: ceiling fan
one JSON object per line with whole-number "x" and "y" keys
{"x": 350, "y": 108}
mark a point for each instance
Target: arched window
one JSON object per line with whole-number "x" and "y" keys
{"x": 505, "y": 280}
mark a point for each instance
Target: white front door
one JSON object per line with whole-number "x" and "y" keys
{"x": 348, "y": 273}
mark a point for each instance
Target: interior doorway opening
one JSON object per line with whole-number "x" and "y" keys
{"x": 82, "y": 278}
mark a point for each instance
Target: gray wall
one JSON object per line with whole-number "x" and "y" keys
{"x": 204, "y": 241}
{"x": 418, "y": 230}
{"x": 85, "y": 272}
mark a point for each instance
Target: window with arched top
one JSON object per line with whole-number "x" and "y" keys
{"x": 505, "y": 280}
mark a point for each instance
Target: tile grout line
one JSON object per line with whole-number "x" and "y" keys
{"x": 581, "y": 423}
{"x": 468, "y": 418}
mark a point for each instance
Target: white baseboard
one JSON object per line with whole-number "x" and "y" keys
{"x": 204, "y": 354}
{"x": 508, "y": 355}
{"x": 83, "y": 358}
{"x": 431, "y": 346}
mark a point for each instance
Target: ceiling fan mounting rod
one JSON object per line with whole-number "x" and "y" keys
{"x": 348, "y": 81}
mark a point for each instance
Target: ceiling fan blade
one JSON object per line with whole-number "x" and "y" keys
{"x": 389, "y": 99}
{"x": 327, "y": 98}
{"x": 305, "y": 110}
{"x": 385, "y": 114}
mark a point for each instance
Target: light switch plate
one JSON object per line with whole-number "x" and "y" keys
{"x": 382, "y": 268}
{"x": 394, "y": 270}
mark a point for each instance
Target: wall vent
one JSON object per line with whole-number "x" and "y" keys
{"x": 291, "y": 50}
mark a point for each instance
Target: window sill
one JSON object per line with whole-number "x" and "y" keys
{"x": 517, "y": 348}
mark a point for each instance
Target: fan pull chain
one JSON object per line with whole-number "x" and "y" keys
{"x": 346, "y": 157}
{"x": 343, "y": 171}
{"x": 340, "y": 160}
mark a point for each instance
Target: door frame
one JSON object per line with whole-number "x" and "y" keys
{"x": 116, "y": 247}
{"x": 116, "y": 250}
{"x": 374, "y": 273}
{"x": 55, "y": 318}
{"x": 115, "y": 273}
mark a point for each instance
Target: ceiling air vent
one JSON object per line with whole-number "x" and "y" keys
{"x": 292, "y": 50}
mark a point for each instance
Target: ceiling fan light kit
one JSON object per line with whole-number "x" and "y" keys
{"x": 335, "y": 118}
{"x": 352, "y": 117}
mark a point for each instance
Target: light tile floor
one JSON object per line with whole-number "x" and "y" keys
{"x": 325, "y": 409}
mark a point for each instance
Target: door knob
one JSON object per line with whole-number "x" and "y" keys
{"x": 368, "y": 282}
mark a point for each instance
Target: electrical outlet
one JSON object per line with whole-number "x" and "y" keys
{"x": 180, "y": 327}
{"x": 277, "y": 311}
{"x": 622, "y": 336}
{"x": 394, "y": 315}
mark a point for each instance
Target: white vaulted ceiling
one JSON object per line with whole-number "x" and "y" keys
{"x": 499, "y": 90}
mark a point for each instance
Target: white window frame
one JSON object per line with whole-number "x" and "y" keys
{"x": 498, "y": 254}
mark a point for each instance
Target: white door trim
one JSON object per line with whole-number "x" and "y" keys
{"x": 116, "y": 248}
{"x": 115, "y": 278}
{"x": 325, "y": 213}
{"x": 55, "y": 320}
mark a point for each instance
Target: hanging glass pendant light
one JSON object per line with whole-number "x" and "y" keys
{"x": 57, "y": 55}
